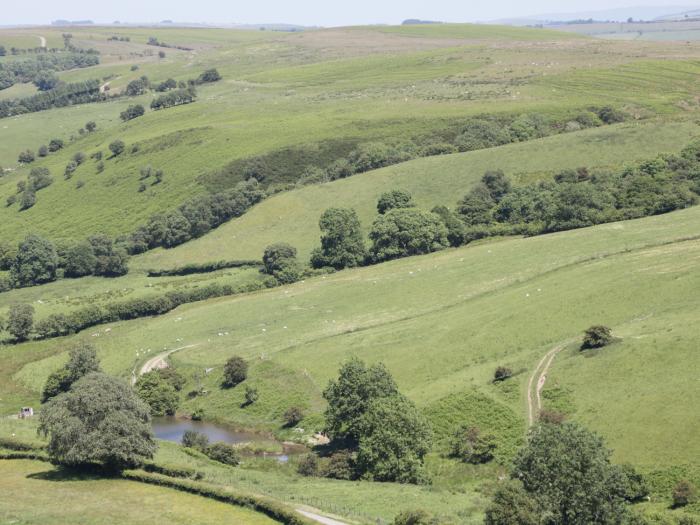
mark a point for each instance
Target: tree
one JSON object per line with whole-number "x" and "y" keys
{"x": 405, "y": 232}
{"x": 566, "y": 469}
{"x": 470, "y": 445}
{"x": 475, "y": 207}
{"x": 100, "y": 421}
{"x": 194, "y": 439}
{"x": 55, "y": 145}
{"x": 80, "y": 260}
{"x": 158, "y": 393}
{"x": 8, "y": 252}
{"x": 293, "y": 416}
{"x": 36, "y": 262}
{"x": 251, "y": 395}
{"x": 597, "y": 336}
{"x": 394, "y": 199}
{"x": 117, "y": 147}
{"x": 43, "y": 151}
{"x": 350, "y": 396}
{"x": 210, "y": 75}
{"x": 394, "y": 439}
{"x": 137, "y": 87}
{"x": 90, "y": 126}
{"x": 3, "y": 51}
{"x": 161, "y": 54}
{"x": 512, "y": 505}
{"x": 235, "y": 371}
{"x": 132, "y": 112}
{"x": 280, "y": 261}
{"x": 502, "y": 373}
{"x": 684, "y": 493}
{"x": 82, "y": 360}
{"x": 45, "y": 80}
{"x": 413, "y": 517}
{"x": 497, "y": 184}
{"x": 456, "y": 234}
{"x": 308, "y": 465}
{"x": 223, "y": 453}
{"x": 26, "y": 157}
{"x": 111, "y": 261}
{"x": 28, "y": 199}
{"x": 342, "y": 245}
{"x": 39, "y": 178}
{"x": 20, "y": 320}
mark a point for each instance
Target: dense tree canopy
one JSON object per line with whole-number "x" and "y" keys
{"x": 342, "y": 243}
{"x": 407, "y": 231}
{"x": 81, "y": 361}
{"x": 36, "y": 262}
{"x": 394, "y": 199}
{"x": 158, "y": 393}
{"x": 20, "y": 320}
{"x": 100, "y": 421}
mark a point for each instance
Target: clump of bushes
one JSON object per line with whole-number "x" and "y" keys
{"x": 132, "y": 112}
{"x": 235, "y": 371}
{"x": 280, "y": 261}
{"x": 471, "y": 445}
{"x": 158, "y": 393}
{"x": 174, "y": 98}
{"x": 596, "y": 336}
{"x": 684, "y": 493}
{"x": 502, "y": 373}
{"x": 221, "y": 452}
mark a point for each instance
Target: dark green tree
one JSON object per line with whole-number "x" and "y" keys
{"x": 394, "y": 199}
{"x": 26, "y": 157}
{"x": 596, "y": 336}
{"x": 132, "y": 112}
{"x": 194, "y": 439}
{"x": 80, "y": 260}
{"x": 235, "y": 371}
{"x": 27, "y": 199}
{"x": 350, "y": 396}
{"x": 90, "y": 126}
{"x": 512, "y": 505}
{"x": 405, "y": 232}
{"x": 117, "y": 147}
{"x": 280, "y": 261}
{"x": 456, "y": 234}
{"x": 81, "y": 361}
{"x": 45, "y": 80}
{"x": 471, "y": 445}
{"x": 475, "y": 208}
{"x": 497, "y": 184}
{"x": 158, "y": 393}
{"x": 100, "y": 421}
{"x": 36, "y": 262}
{"x": 684, "y": 493}
{"x": 20, "y": 320}
{"x": 210, "y": 75}
{"x": 55, "y": 145}
{"x": 342, "y": 243}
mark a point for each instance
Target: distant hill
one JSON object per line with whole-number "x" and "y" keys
{"x": 616, "y": 14}
{"x": 416, "y": 21}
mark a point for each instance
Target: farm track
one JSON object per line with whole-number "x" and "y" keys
{"x": 158, "y": 361}
{"x": 538, "y": 379}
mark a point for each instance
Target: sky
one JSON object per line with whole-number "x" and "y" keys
{"x": 302, "y": 12}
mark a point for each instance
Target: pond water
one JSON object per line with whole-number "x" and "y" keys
{"x": 172, "y": 429}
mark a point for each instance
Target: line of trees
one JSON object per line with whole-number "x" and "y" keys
{"x": 62, "y": 95}
{"x": 42, "y": 67}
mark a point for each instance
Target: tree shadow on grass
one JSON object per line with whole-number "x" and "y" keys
{"x": 73, "y": 474}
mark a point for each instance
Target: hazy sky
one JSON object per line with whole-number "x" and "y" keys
{"x": 306, "y": 12}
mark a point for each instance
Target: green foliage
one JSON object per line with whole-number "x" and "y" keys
{"x": 394, "y": 199}
{"x": 90, "y": 126}
{"x": 596, "y": 336}
{"x": 36, "y": 262}
{"x": 456, "y": 233}
{"x": 27, "y": 199}
{"x": 194, "y": 439}
{"x": 342, "y": 245}
{"x": 158, "y": 393}
{"x": 340, "y": 465}
{"x": 475, "y": 207}
{"x": 63, "y": 95}
{"x": 250, "y": 395}
{"x": 235, "y": 371}
{"x": 172, "y": 376}
{"x": 405, "y": 232}
{"x": 350, "y": 395}
{"x": 633, "y": 487}
{"x": 82, "y": 359}
{"x": 174, "y": 98}
{"x": 497, "y": 184}
{"x": 394, "y": 438}
{"x": 26, "y": 157}
{"x": 413, "y": 517}
{"x": 470, "y": 445}
{"x": 308, "y": 465}
{"x": 80, "y": 260}
{"x": 482, "y": 133}
{"x": 117, "y": 147}
{"x": 132, "y": 112}
{"x": 280, "y": 261}
{"x": 502, "y": 373}
{"x": 20, "y": 320}
{"x": 293, "y": 416}
{"x": 566, "y": 469}
{"x": 55, "y": 145}
{"x": 684, "y": 493}
{"x": 39, "y": 178}
{"x": 99, "y": 421}
{"x": 111, "y": 260}
{"x": 223, "y": 453}
{"x": 512, "y": 505}
{"x": 210, "y": 75}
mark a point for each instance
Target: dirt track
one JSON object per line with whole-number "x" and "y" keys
{"x": 539, "y": 378}
{"x": 158, "y": 361}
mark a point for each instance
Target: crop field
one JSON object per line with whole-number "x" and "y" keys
{"x": 290, "y": 108}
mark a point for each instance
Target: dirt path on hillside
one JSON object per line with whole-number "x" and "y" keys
{"x": 104, "y": 86}
{"x": 538, "y": 379}
{"x": 158, "y": 361}
{"x": 320, "y": 519}
{"x": 42, "y": 41}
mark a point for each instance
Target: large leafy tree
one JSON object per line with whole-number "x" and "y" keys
{"x": 407, "y": 231}
{"x": 158, "y": 392}
{"x": 350, "y": 396}
{"x": 394, "y": 199}
{"x": 100, "y": 421}
{"x": 342, "y": 244}
{"x": 20, "y": 320}
{"x": 35, "y": 263}
{"x": 81, "y": 361}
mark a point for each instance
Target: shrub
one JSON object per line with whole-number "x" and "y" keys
{"x": 27, "y": 199}
{"x": 293, "y": 416}
{"x": 26, "y": 157}
{"x": 610, "y": 115}
{"x": 511, "y": 504}
{"x": 340, "y": 465}
{"x": 172, "y": 376}
{"x": 394, "y": 199}
{"x": 55, "y": 145}
{"x": 479, "y": 134}
{"x": 475, "y": 207}
{"x": 210, "y": 75}
{"x": 194, "y": 439}
{"x": 684, "y": 493}
{"x": 497, "y": 184}
{"x": 413, "y": 517}
{"x": 90, "y": 126}
{"x": 132, "y": 112}
{"x": 223, "y": 453}
{"x": 70, "y": 169}
{"x": 279, "y": 260}
{"x": 99, "y": 421}
{"x": 235, "y": 371}
{"x": 502, "y": 373}
{"x": 456, "y": 233}
{"x": 137, "y": 87}
{"x": 552, "y": 417}
{"x": 174, "y": 98}
{"x": 39, "y": 178}
{"x": 36, "y": 262}
{"x": 82, "y": 360}
{"x": 405, "y": 232}
{"x": 117, "y": 147}
{"x": 80, "y": 260}
{"x": 158, "y": 393}
{"x": 79, "y": 158}
{"x": 470, "y": 445}
{"x": 308, "y": 465}
{"x": 596, "y": 336}
{"x": 251, "y": 395}
{"x": 43, "y": 151}
{"x": 342, "y": 243}
{"x": 20, "y": 320}
{"x": 632, "y": 485}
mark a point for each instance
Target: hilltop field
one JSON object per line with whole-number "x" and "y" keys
{"x": 290, "y": 112}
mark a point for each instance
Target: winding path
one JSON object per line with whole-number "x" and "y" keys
{"x": 539, "y": 378}
{"x": 158, "y": 361}
{"x": 320, "y": 519}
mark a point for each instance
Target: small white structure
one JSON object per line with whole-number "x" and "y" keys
{"x": 26, "y": 412}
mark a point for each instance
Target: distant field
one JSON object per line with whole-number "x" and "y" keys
{"x": 36, "y": 492}
{"x": 653, "y": 31}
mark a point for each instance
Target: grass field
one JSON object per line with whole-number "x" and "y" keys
{"x": 32, "y": 489}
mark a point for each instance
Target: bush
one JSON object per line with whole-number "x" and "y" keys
{"x": 502, "y": 373}
{"x": 308, "y": 465}
{"x": 596, "y": 336}
{"x": 470, "y": 445}
{"x": 20, "y": 320}
{"x": 632, "y": 485}
{"x": 413, "y": 517}
{"x": 552, "y": 417}
{"x": 394, "y": 199}
{"x": 36, "y": 262}
{"x": 174, "y": 98}
{"x": 82, "y": 360}
{"x": 684, "y": 493}
{"x": 293, "y": 416}
{"x": 158, "y": 393}
{"x": 512, "y": 505}
{"x": 235, "y": 371}
{"x": 117, "y": 147}
{"x": 194, "y": 439}
{"x": 27, "y": 199}
{"x": 55, "y": 145}
{"x": 610, "y": 115}
{"x": 210, "y": 75}
{"x": 223, "y": 453}
{"x": 132, "y": 112}
{"x": 26, "y": 157}
{"x": 80, "y": 260}
{"x": 39, "y": 178}
{"x": 342, "y": 243}
{"x": 251, "y": 395}
{"x": 479, "y": 134}
{"x": 405, "y": 232}
{"x": 340, "y": 465}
